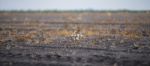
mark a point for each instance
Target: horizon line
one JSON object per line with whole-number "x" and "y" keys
{"x": 74, "y": 9}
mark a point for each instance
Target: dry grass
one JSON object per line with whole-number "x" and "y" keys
{"x": 40, "y": 35}
{"x": 48, "y": 36}
{"x": 131, "y": 34}
{"x": 66, "y": 33}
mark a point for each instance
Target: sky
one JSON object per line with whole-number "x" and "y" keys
{"x": 74, "y": 4}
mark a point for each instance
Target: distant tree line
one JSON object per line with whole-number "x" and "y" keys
{"x": 89, "y": 10}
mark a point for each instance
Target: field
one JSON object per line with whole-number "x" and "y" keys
{"x": 71, "y": 38}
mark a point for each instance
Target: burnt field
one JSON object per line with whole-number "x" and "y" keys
{"x": 75, "y": 38}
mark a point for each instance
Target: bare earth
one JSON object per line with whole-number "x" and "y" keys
{"x": 75, "y": 39}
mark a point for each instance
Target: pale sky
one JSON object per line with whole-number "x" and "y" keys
{"x": 74, "y": 4}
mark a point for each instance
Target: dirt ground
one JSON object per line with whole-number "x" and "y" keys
{"x": 75, "y": 39}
